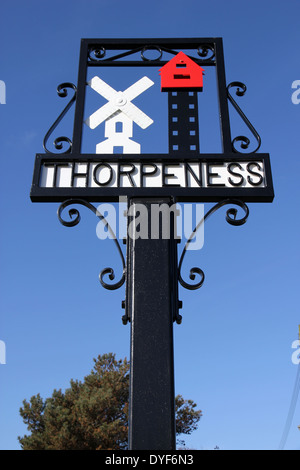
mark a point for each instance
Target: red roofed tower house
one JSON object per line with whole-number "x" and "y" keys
{"x": 182, "y": 78}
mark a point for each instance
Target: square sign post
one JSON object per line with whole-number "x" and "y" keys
{"x": 152, "y": 183}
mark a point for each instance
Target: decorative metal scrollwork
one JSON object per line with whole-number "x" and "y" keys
{"x": 204, "y": 50}
{"x": 203, "y": 53}
{"x": 244, "y": 141}
{"x": 58, "y": 142}
{"x": 231, "y": 218}
{"x": 75, "y": 218}
{"x": 96, "y": 53}
{"x": 151, "y": 48}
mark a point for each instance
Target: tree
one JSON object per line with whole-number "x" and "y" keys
{"x": 93, "y": 414}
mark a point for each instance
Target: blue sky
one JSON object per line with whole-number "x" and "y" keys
{"x": 233, "y": 349}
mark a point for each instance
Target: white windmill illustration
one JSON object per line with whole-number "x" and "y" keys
{"x": 119, "y": 114}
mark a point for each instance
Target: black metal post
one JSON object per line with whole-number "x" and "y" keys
{"x": 151, "y": 303}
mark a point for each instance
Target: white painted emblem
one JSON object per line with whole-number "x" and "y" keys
{"x": 119, "y": 114}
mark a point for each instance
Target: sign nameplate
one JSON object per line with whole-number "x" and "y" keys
{"x": 100, "y": 178}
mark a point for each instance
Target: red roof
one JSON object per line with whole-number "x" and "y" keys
{"x": 181, "y": 72}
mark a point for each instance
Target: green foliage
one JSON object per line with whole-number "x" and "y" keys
{"x": 93, "y": 414}
{"x": 187, "y": 417}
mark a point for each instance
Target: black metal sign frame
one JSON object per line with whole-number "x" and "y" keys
{"x": 206, "y": 52}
